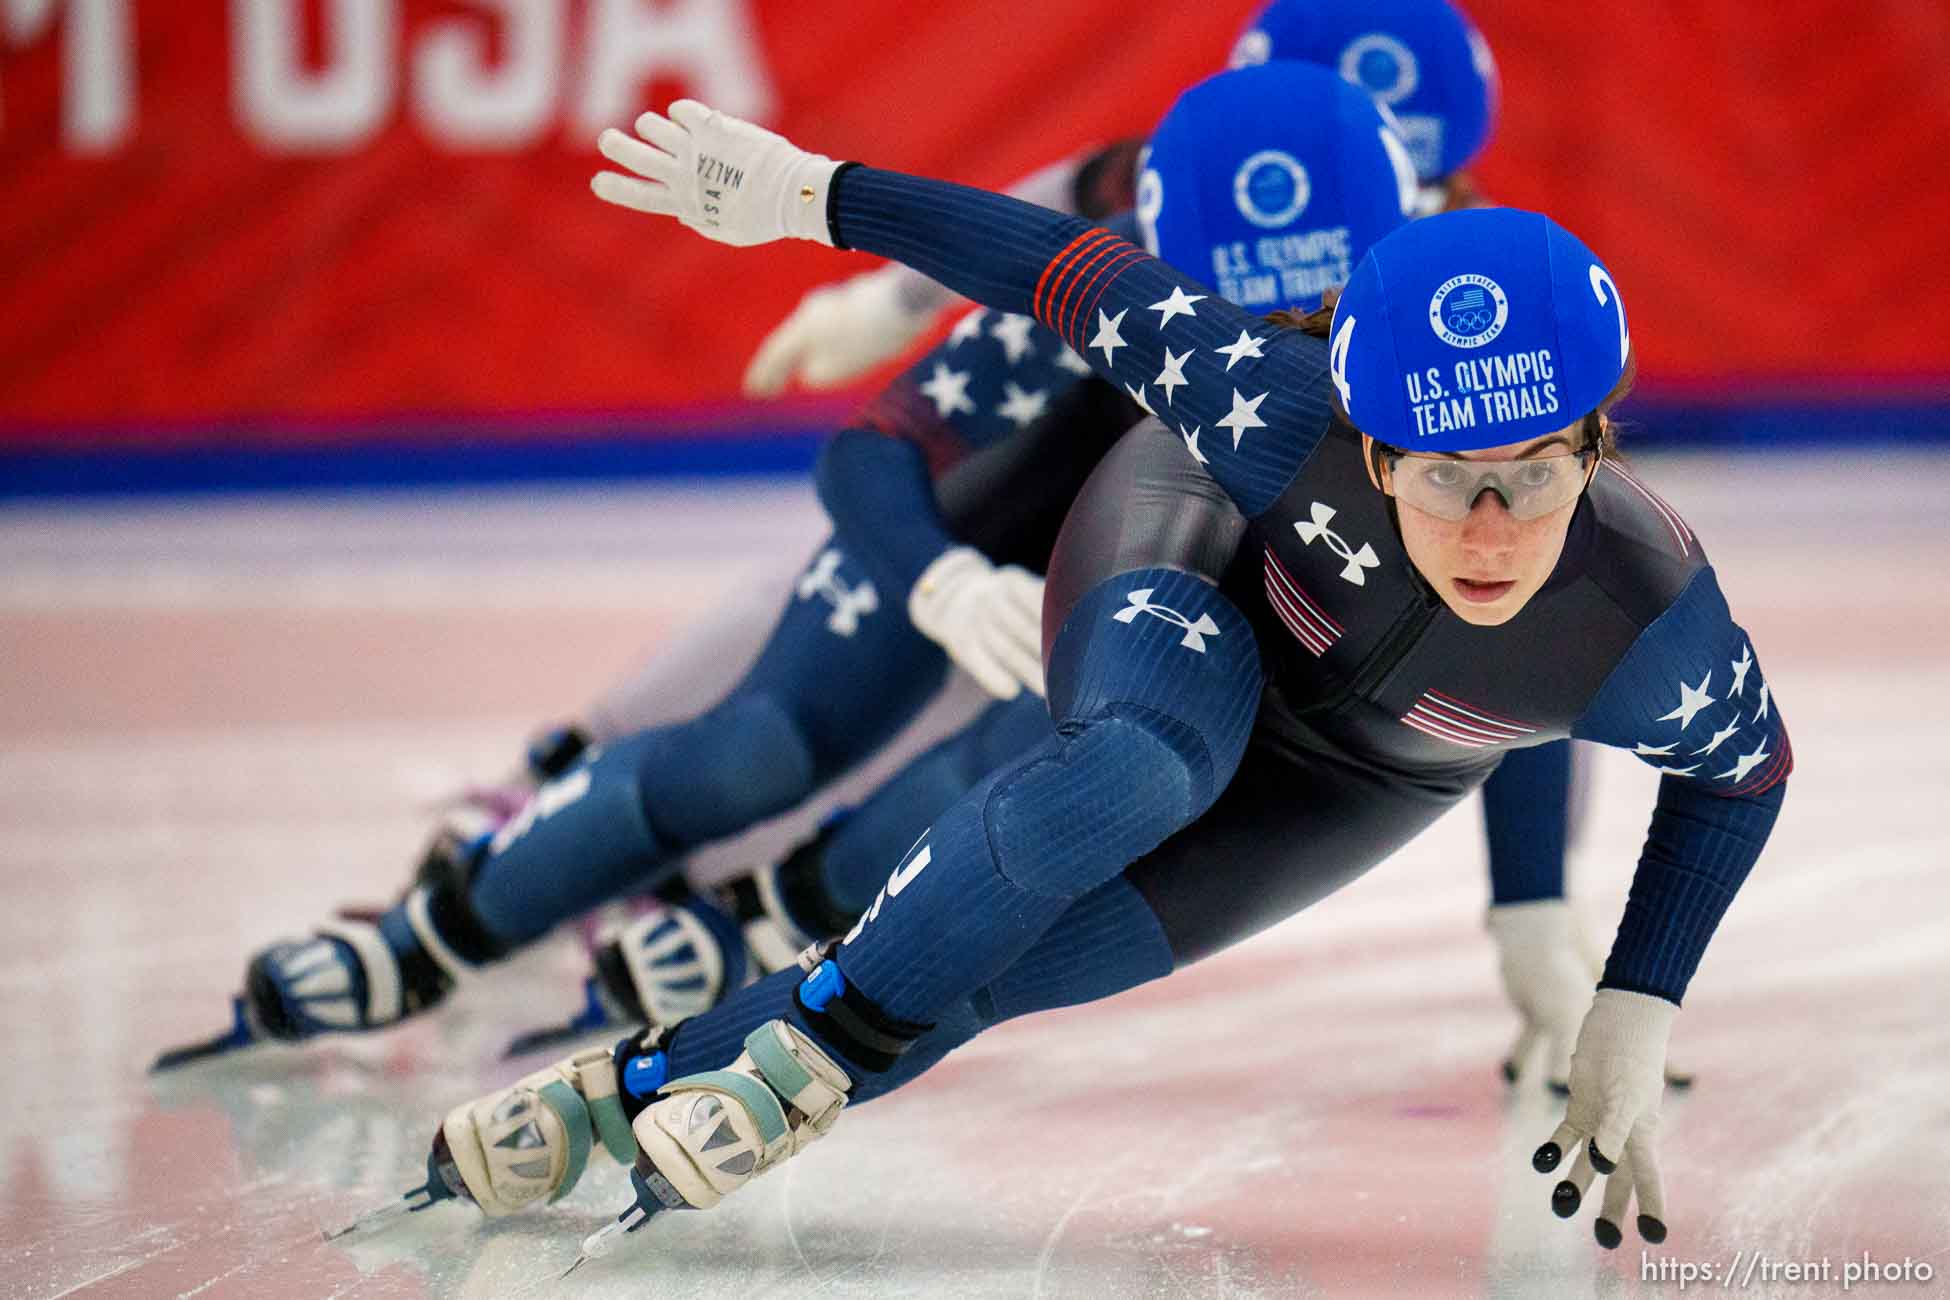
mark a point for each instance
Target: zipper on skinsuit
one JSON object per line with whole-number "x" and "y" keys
{"x": 1401, "y": 637}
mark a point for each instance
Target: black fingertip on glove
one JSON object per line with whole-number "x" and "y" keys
{"x": 1564, "y": 1199}
{"x": 1546, "y": 1157}
{"x": 1599, "y": 1161}
{"x": 1607, "y": 1234}
{"x": 1651, "y": 1229}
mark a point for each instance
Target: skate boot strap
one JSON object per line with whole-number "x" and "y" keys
{"x": 798, "y": 1071}
{"x": 845, "y": 1017}
{"x": 595, "y": 1076}
{"x": 588, "y": 1104}
{"x": 384, "y": 996}
{"x": 791, "y": 1071}
{"x": 759, "y": 1101}
{"x": 576, "y": 1122}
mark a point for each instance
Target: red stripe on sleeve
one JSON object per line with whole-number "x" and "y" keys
{"x": 1052, "y": 273}
{"x": 1111, "y": 269}
{"x": 1073, "y": 279}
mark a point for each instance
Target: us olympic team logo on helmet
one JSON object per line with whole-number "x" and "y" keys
{"x": 1382, "y": 66}
{"x": 1468, "y": 311}
{"x": 1271, "y": 188}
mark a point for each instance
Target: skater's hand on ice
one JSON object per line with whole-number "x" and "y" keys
{"x": 1547, "y": 979}
{"x": 989, "y": 620}
{"x": 838, "y": 332}
{"x": 1549, "y": 968}
{"x": 723, "y": 177}
{"x": 1612, "y": 1119}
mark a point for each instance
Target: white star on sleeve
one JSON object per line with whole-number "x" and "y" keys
{"x": 1644, "y": 750}
{"x": 1191, "y": 444}
{"x": 1137, "y": 395}
{"x": 1173, "y": 374}
{"x": 1719, "y": 737}
{"x": 1764, "y": 696}
{"x": 967, "y": 327}
{"x": 1747, "y": 763}
{"x": 1179, "y": 304}
{"x": 1691, "y": 700}
{"x": 1740, "y": 667}
{"x": 1243, "y": 416}
{"x": 1107, "y": 336}
{"x": 1021, "y": 408}
{"x": 1246, "y": 346}
{"x": 948, "y": 390}
{"x": 1070, "y": 361}
{"x": 1680, "y": 771}
{"x": 1013, "y": 331}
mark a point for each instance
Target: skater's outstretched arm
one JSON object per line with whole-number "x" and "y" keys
{"x": 840, "y": 331}
{"x": 1255, "y": 400}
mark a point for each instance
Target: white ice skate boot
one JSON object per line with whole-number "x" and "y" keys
{"x": 531, "y": 1142}
{"x": 709, "y": 1134}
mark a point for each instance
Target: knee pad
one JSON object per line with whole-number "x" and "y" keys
{"x": 1154, "y": 683}
{"x": 1090, "y": 801}
{"x": 744, "y": 761}
{"x": 1167, "y": 651}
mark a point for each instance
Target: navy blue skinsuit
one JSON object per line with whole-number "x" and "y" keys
{"x": 1256, "y": 695}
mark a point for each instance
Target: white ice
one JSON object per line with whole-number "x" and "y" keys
{"x": 220, "y": 718}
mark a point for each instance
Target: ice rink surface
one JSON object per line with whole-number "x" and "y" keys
{"x": 220, "y": 718}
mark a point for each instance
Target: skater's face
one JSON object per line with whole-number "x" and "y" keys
{"x": 1487, "y": 563}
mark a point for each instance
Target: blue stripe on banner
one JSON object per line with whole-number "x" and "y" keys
{"x": 234, "y": 468}
{"x": 1648, "y": 420}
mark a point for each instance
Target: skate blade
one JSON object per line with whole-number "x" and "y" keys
{"x": 380, "y": 1216}
{"x": 240, "y": 1035}
{"x": 603, "y": 1240}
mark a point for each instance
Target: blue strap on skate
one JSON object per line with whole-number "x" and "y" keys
{"x": 569, "y": 1107}
{"x": 780, "y": 1068}
{"x": 613, "y": 1128}
{"x": 765, "y": 1108}
{"x": 822, "y": 986}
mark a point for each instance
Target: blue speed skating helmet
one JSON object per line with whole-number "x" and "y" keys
{"x": 1270, "y": 182}
{"x": 1476, "y": 329}
{"x": 1423, "y": 59}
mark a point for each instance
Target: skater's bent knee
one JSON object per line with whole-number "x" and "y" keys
{"x": 1095, "y": 798}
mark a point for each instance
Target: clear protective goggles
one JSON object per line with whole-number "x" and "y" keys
{"x": 1448, "y": 488}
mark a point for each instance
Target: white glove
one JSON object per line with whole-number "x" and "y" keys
{"x": 989, "y": 620}
{"x": 840, "y": 331}
{"x": 723, "y": 177}
{"x": 1548, "y": 980}
{"x": 1549, "y": 968}
{"x": 1617, "y": 1080}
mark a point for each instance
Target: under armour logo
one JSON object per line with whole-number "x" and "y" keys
{"x": 850, "y": 604}
{"x": 1365, "y": 558}
{"x": 1195, "y": 633}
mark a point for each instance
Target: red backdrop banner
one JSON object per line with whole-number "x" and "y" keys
{"x": 312, "y": 220}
